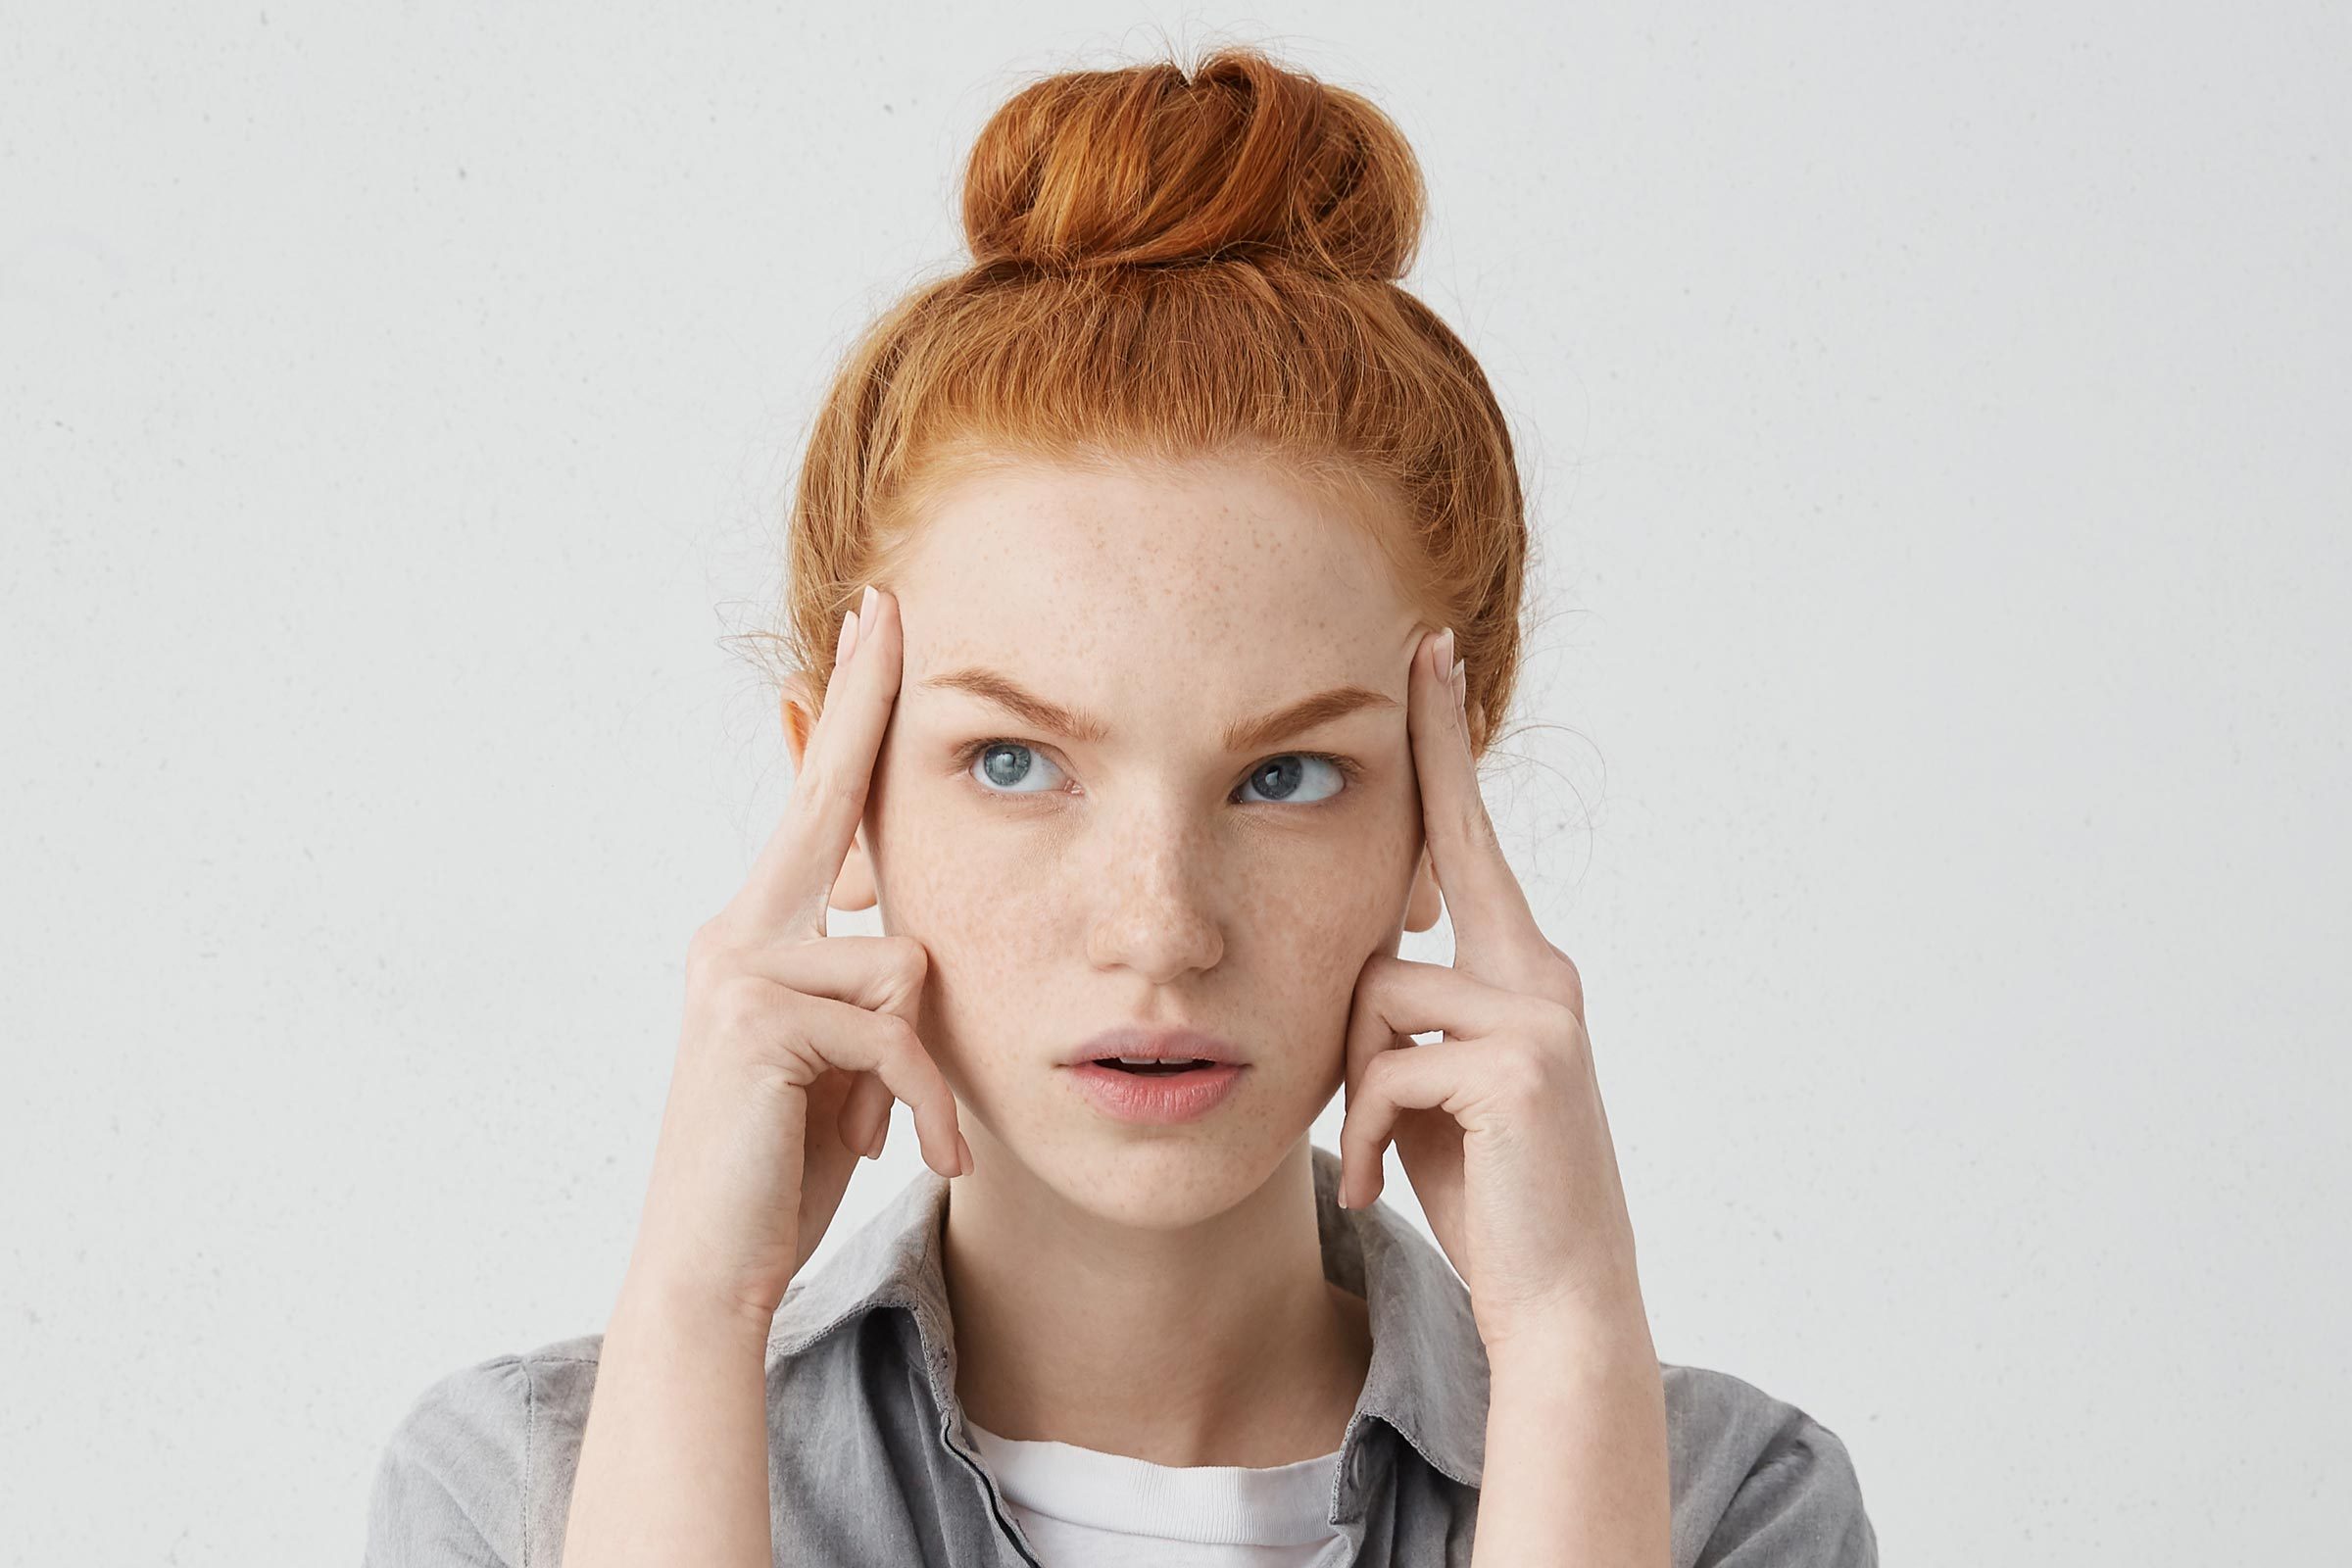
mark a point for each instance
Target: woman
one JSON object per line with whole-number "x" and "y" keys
{"x": 1151, "y": 581}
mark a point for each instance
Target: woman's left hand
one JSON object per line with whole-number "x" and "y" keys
{"x": 1500, "y": 1124}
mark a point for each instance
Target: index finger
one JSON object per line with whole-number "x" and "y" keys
{"x": 1495, "y": 931}
{"x": 793, "y": 875}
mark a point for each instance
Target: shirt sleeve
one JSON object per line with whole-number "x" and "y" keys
{"x": 1801, "y": 1506}
{"x": 449, "y": 1490}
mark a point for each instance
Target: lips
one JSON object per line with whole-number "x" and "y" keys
{"x": 1155, "y": 1046}
{"x": 1164, "y": 1096}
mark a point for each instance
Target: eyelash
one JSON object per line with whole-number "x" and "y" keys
{"x": 1349, "y": 769}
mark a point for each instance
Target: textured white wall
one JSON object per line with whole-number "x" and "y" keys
{"x": 1938, "y": 415}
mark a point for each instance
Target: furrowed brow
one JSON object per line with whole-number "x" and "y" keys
{"x": 1010, "y": 694}
{"x": 1242, "y": 735}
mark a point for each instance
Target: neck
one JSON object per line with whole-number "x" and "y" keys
{"x": 1217, "y": 1343}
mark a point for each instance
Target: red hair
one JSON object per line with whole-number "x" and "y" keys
{"x": 1170, "y": 266}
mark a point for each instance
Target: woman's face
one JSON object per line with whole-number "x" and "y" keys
{"x": 1159, "y": 874}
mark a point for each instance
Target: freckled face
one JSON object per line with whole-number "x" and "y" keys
{"x": 1155, "y": 875}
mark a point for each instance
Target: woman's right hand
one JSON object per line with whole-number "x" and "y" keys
{"x": 796, "y": 1044}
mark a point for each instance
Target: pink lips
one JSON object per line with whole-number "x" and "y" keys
{"x": 1174, "y": 1097}
{"x": 1160, "y": 1045}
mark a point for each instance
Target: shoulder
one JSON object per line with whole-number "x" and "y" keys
{"x": 478, "y": 1469}
{"x": 1757, "y": 1482}
{"x": 461, "y": 1479}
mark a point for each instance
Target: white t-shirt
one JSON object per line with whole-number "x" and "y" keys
{"x": 1082, "y": 1507}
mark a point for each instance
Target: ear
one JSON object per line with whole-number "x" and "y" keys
{"x": 1424, "y": 903}
{"x": 854, "y": 888}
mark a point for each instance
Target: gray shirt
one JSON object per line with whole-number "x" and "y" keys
{"x": 869, "y": 1461}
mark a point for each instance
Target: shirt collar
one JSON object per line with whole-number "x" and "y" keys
{"x": 1428, "y": 1374}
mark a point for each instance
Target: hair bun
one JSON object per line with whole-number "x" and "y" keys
{"x": 1244, "y": 157}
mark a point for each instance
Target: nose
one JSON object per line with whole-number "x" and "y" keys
{"x": 1156, "y": 914}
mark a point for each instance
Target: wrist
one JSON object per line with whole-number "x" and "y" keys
{"x": 655, "y": 1296}
{"x": 1581, "y": 1343}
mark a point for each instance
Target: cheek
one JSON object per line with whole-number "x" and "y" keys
{"x": 995, "y": 919}
{"x": 1315, "y": 911}
{"x": 986, "y": 902}
{"x": 944, "y": 873}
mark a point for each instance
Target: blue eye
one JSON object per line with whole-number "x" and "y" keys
{"x": 1004, "y": 766}
{"x": 1279, "y": 776}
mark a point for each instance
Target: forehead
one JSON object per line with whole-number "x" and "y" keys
{"x": 1211, "y": 547}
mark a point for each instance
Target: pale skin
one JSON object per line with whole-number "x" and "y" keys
{"x": 1152, "y": 1291}
{"x": 1144, "y": 876}
{"x": 1131, "y": 879}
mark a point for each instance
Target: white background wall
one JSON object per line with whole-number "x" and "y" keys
{"x": 1938, "y": 418}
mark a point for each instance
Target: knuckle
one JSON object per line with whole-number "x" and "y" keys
{"x": 890, "y": 1039}
{"x": 706, "y": 945}
{"x": 821, "y": 787}
{"x": 912, "y": 960}
{"x": 713, "y": 954}
{"x": 1559, "y": 1021}
{"x": 899, "y": 1032}
{"x": 1525, "y": 1072}
{"x": 743, "y": 1006}
{"x": 773, "y": 1084}
{"x": 705, "y": 973}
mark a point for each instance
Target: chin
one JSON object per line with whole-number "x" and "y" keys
{"x": 1158, "y": 1179}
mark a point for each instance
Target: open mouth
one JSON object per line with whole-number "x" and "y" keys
{"x": 1152, "y": 1069}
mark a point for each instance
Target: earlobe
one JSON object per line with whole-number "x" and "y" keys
{"x": 854, "y": 888}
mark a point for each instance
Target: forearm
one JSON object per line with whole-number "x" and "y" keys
{"x": 1576, "y": 1467}
{"x": 674, "y": 1458}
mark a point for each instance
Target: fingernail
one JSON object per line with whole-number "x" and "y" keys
{"x": 1444, "y": 648}
{"x": 847, "y": 640}
{"x": 1343, "y": 1198}
{"x": 865, "y": 606}
{"x": 1461, "y": 685}
{"x": 967, "y": 1144}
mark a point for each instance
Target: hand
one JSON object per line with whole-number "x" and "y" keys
{"x": 1500, "y": 1124}
{"x": 796, "y": 1044}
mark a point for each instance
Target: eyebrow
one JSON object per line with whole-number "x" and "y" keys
{"x": 1242, "y": 735}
